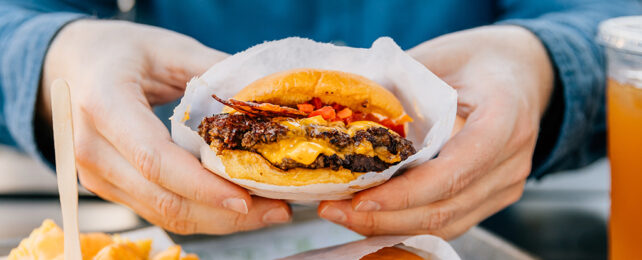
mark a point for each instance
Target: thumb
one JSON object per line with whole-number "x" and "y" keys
{"x": 175, "y": 58}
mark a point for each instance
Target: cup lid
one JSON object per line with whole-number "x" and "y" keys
{"x": 624, "y": 33}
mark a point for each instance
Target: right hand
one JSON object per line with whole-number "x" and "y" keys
{"x": 117, "y": 71}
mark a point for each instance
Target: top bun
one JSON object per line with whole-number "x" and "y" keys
{"x": 298, "y": 86}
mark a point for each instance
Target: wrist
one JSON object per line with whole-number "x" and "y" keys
{"x": 542, "y": 68}
{"x": 533, "y": 64}
{"x": 54, "y": 66}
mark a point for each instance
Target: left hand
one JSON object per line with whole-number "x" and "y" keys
{"x": 504, "y": 80}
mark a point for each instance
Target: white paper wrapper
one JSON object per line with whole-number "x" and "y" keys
{"x": 425, "y": 246}
{"x": 427, "y": 99}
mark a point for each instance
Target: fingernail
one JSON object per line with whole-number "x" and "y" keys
{"x": 236, "y": 204}
{"x": 367, "y": 205}
{"x": 276, "y": 215}
{"x": 333, "y": 214}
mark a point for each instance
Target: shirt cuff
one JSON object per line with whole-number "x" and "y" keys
{"x": 576, "y": 106}
{"x": 22, "y": 65}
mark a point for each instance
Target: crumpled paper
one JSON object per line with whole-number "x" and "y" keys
{"x": 425, "y": 246}
{"x": 426, "y": 98}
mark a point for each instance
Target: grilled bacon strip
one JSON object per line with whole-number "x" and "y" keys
{"x": 261, "y": 109}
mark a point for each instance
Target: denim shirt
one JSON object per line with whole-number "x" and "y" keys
{"x": 572, "y": 131}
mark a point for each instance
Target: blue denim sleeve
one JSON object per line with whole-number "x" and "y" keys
{"x": 25, "y": 35}
{"x": 572, "y": 132}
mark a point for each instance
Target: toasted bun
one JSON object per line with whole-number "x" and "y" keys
{"x": 390, "y": 253}
{"x": 249, "y": 165}
{"x": 298, "y": 86}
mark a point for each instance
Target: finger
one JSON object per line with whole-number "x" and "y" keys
{"x": 485, "y": 210}
{"x": 441, "y": 213}
{"x": 166, "y": 209}
{"x": 140, "y": 137}
{"x": 469, "y": 153}
{"x": 434, "y": 217}
{"x": 108, "y": 191}
{"x": 266, "y": 212}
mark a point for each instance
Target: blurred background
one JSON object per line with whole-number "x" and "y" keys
{"x": 563, "y": 216}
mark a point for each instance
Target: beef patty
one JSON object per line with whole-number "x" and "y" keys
{"x": 243, "y": 132}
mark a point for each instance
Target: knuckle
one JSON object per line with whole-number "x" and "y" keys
{"x": 404, "y": 195}
{"x": 238, "y": 220}
{"x": 181, "y": 227}
{"x": 171, "y": 207}
{"x": 371, "y": 221}
{"x": 147, "y": 161}
{"x": 456, "y": 184}
{"x": 200, "y": 193}
{"x": 436, "y": 218}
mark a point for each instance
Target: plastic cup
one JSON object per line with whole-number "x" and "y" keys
{"x": 622, "y": 39}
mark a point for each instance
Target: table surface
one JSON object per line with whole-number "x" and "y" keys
{"x": 562, "y": 216}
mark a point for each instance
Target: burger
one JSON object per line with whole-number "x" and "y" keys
{"x": 308, "y": 126}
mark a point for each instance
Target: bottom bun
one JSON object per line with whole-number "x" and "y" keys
{"x": 252, "y": 166}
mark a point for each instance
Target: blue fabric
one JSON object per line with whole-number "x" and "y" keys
{"x": 572, "y": 130}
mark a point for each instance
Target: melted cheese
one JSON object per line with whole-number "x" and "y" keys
{"x": 291, "y": 124}
{"x": 315, "y": 120}
{"x": 298, "y": 149}
{"x": 305, "y": 150}
{"x": 361, "y": 125}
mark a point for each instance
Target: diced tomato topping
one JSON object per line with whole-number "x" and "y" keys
{"x": 358, "y": 116}
{"x": 337, "y": 107}
{"x": 314, "y": 113}
{"x": 316, "y": 102}
{"x": 336, "y": 112}
{"x": 371, "y": 117}
{"x": 344, "y": 113}
{"x": 399, "y": 128}
{"x": 307, "y": 108}
{"x": 327, "y": 112}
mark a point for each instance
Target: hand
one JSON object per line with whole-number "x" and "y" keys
{"x": 117, "y": 71}
{"x": 504, "y": 80}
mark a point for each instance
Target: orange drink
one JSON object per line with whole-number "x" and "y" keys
{"x": 625, "y": 155}
{"x": 622, "y": 38}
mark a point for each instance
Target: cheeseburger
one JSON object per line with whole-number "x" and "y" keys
{"x": 308, "y": 126}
